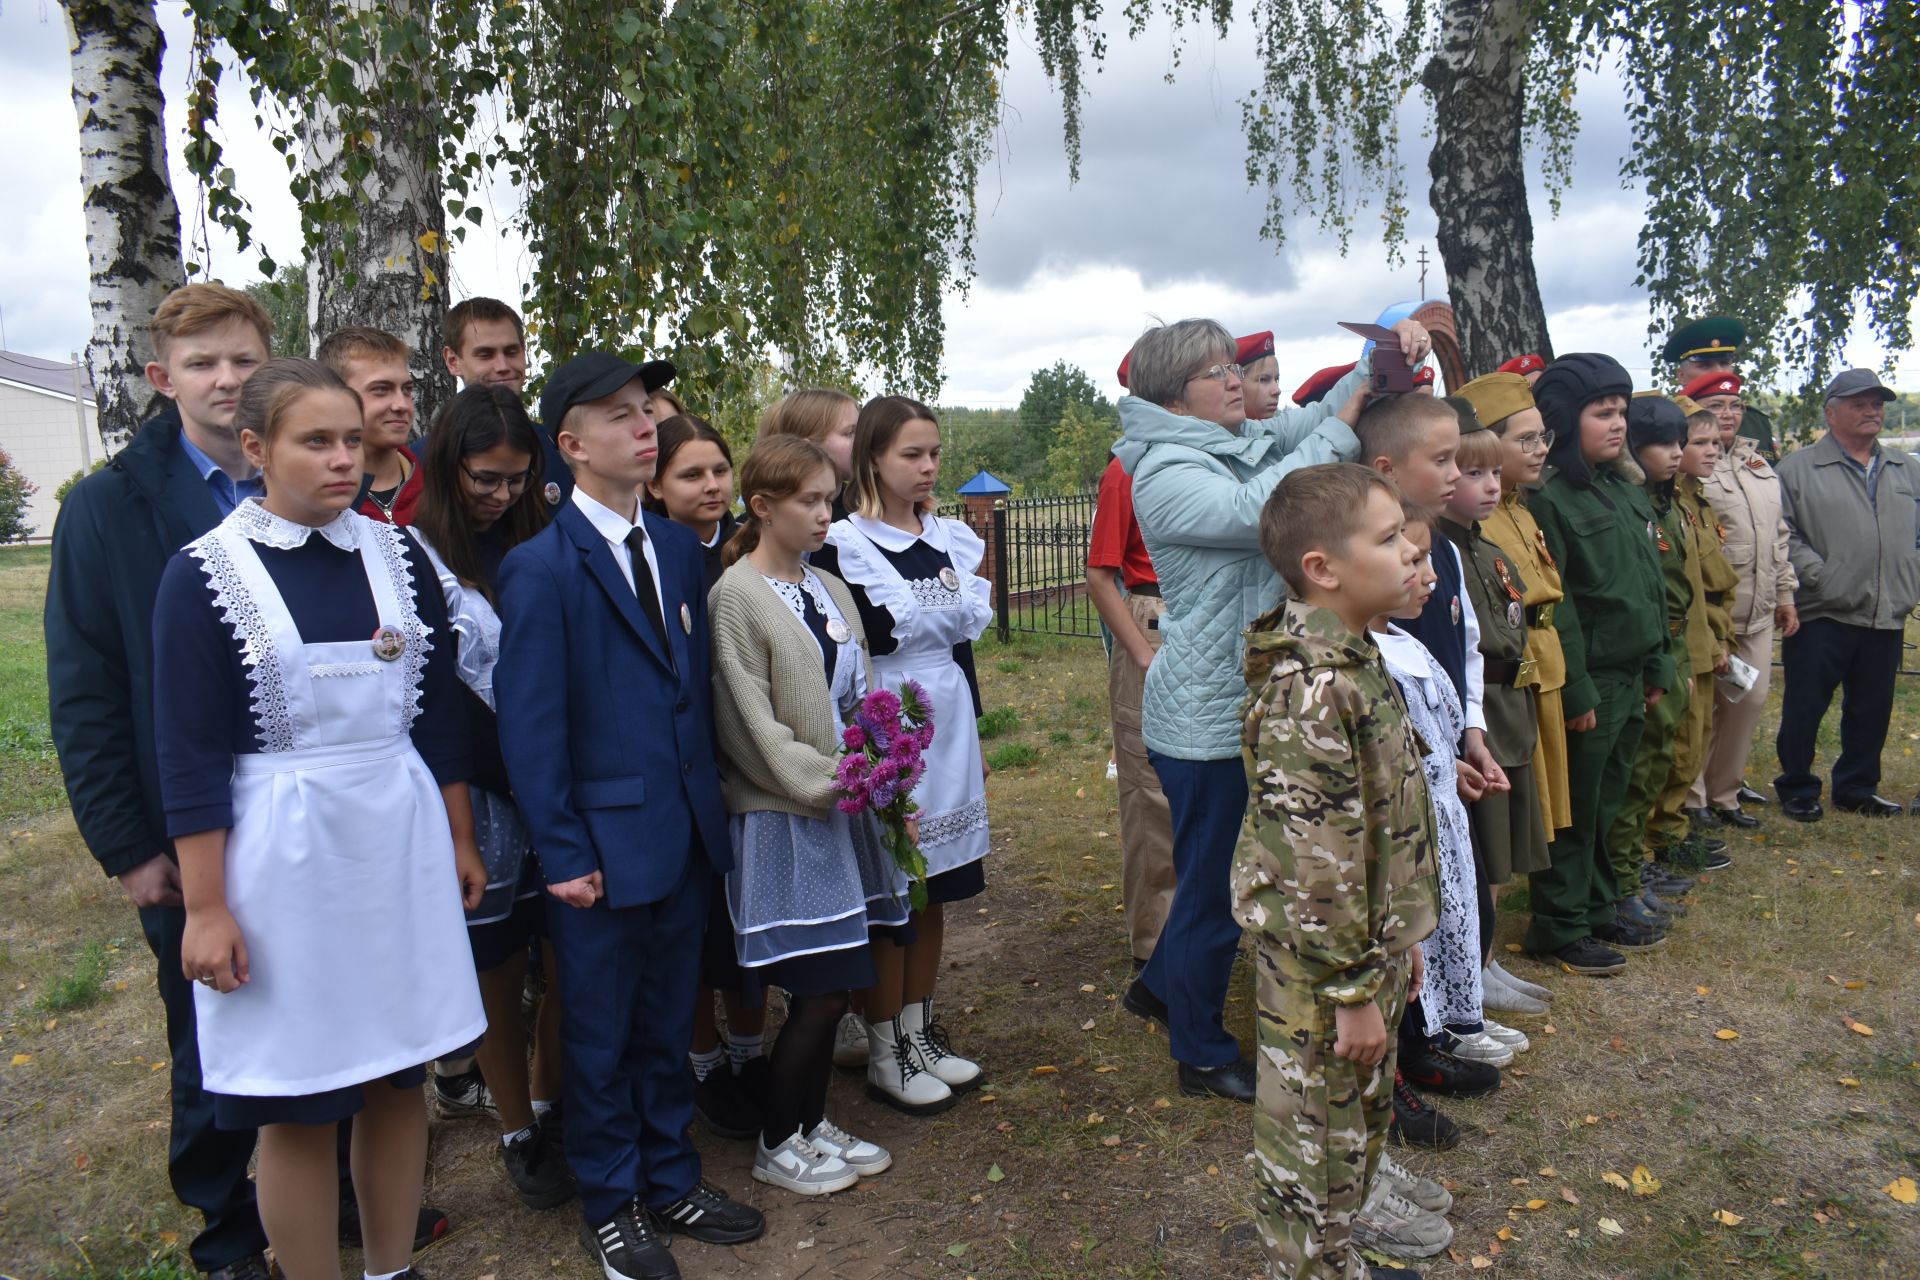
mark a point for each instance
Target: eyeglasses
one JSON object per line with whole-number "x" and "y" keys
{"x": 1219, "y": 373}
{"x": 1540, "y": 440}
{"x": 484, "y": 482}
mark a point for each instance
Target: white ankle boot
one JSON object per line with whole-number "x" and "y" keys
{"x": 896, "y": 1076}
{"x": 930, "y": 1042}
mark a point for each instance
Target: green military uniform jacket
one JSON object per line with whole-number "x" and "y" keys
{"x": 1679, "y": 571}
{"x": 1710, "y": 628}
{"x": 1498, "y": 593}
{"x": 1335, "y": 870}
{"x": 1614, "y": 618}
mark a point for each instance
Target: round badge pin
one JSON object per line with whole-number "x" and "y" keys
{"x": 949, "y": 579}
{"x": 1456, "y": 610}
{"x": 686, "y": 618}
{"x": 388, "y": 643}
{"x": 551, "y": 493}
{"x": 1515, "y": 614}
{"x": 838, "y": 631}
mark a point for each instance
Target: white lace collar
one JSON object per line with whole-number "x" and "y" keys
{"x": 888, "y": 538}
{"x": 255, "y": 522}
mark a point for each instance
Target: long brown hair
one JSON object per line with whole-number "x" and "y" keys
{"x": 475, "y": 421}
{"x": 776, "y": 469}
{"x": 811, "y": 413}
{"x": 880, "y": 421}
{"x": 271, "y": 391}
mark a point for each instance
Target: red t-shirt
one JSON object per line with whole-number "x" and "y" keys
{"x": 1115, "y": 542}
{"x": 404, "y": 502}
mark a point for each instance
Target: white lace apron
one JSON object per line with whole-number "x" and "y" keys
{"x": 929, "y": 619}
{"x": 339, "y": 865}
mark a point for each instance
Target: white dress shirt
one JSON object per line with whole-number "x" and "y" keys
{"x": 614, "y": 527}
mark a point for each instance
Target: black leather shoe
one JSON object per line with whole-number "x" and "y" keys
{"x": 251, "y": 1267}
{"x": 1871, "y": 806}
{"x": 1803, "y": 809}
{"x": 1439, "y": 1072}
{"x": 1735, "y": 818}
{"x": 1142, "y": 1003}
{"x": 1703, "y": 819}
{"x": 1233, "y": 1081}
{"x": 630, "y": 1245}
{"x": 1711, "y": 844}
{"x": 709, "y": 1215}
{"x": 1747, "y": 795}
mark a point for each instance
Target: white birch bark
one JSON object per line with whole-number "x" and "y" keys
{"x": 133, "y": 224}
{"x": 391, "y": 273}
{"x": 1479, "y": 195}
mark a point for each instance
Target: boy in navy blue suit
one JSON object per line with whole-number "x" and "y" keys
{"x": 606, "y": 726}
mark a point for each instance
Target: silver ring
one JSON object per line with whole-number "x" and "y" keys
{"x": 208, "y": 980}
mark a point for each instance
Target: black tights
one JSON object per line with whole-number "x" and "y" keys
{"x": 800, "y": 1065}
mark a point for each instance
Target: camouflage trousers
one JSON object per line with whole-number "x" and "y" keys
{"x": 1319, "y": 1122}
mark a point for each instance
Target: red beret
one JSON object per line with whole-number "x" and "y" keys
{"x": 1712, "y": 384}
{"x": 1526, "y": 364}
{"x": 1423, "y": 376}
{"x": 1315, "y": 389}
{"x": 1253, "y": 347}
{"x": 1125, "y": 360}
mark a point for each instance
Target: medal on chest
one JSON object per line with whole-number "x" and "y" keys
{"x": 686, "y": 618}
{"x": 1756, "y": 465}
{"x": 1516, "y": 615}
{"x": 551, "y": 493}
{"x": 1456, "y": 611}
{"x": 949, "y": 579}
{"x": 388, "y": 643}
{"x": 1659, "y": 537}
{"x": 838, "y": 631}
{"x": 1540, "y": 541}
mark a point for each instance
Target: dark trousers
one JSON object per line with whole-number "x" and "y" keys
{"x": 1578, "y": 892}
{"x": 1862, "y": 663}
{"x": 627, "y": 979}
{"x": 207, "y": 1165}
{"x": 1193, "y": 961}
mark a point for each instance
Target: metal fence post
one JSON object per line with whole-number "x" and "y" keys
{"x": 1000, "y": 569}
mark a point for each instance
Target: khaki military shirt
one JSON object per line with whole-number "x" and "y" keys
{"x": 1513, "y": 529}
{"x": 1745, "y": 493}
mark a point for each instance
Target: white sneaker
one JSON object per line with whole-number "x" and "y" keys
{"x": 1525, "y": 988}
{"x": 1423, "y": 1191}
{"x": 850, "y": 1043}
{"x": 865, "y": 1158}
{"x": 1113, "y": 771}
{"x": 1477, "y": 1046}
{"x": 930, "y": 1042}
{"x": 895, "y": 1075}
{"x": 801, "y": 1167}
{"x": 1514, "y": 1040}
{"x": 1495, "y": 994}
{"x": 1390, "y": 1223}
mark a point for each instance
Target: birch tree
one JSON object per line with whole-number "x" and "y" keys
{"x": 133, "y": 224}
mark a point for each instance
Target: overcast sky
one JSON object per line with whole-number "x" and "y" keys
{"x": 1161, "y": 222}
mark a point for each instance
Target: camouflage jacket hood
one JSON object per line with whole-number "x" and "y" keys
{"x": 1335, "y": 870}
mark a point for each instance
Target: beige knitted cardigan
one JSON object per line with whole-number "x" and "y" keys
{"x": 774, "y": 718}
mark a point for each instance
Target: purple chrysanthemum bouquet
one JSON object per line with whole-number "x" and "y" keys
{"x": 886, "y": 743}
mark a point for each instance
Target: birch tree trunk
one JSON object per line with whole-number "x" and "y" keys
{"x": 384, "y": 265}
{"x": 1479, "y": 193}
{"x": 133, "y": 224}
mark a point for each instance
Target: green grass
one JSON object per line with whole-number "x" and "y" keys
{"x": 998, "y": 720}
{"x": 83, "y": 985}
{"x": 1014, "y": 755}
{"x": 29, "y": 775}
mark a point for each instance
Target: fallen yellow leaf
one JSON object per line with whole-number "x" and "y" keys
{"x": 1549, "y": 1172}
{"x": 1644, "y": 1183}
{"x": 1850, "y": 1082}
{"x": 1591, "y": 1119}
{"x": 1111, "y": 1140}
{"x": 1515, "y": 947}
{"x": 1481, "y": 1262}
{"x": 1903, "y": 1190}
{"x": 1108, "y": 1069}
{"x": 1504, "y": 1233}
{"x": 1703, "y": 991}
{"x": 1726, "y": 1218}
{"x": 1609, "y": 1227}
{"x": 22, "y": 1059}
{"x": 1046, "y": 1071}
{"x": 1536, "y": 1204}
{"x": 1613, "y": 1179}
{"x": 1094, "y": 1117}
{"x": 1859, "y": 1028}
{"x": 1726, "y": 1033}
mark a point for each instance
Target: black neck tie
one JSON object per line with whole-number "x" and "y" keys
{"x": 644, "y": 588}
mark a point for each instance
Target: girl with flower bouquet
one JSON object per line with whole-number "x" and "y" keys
{"x": 812, "y": 877}
{"x": 913, "y": 580}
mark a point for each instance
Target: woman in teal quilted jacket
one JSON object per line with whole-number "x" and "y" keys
{"x": 1201, "y": 473}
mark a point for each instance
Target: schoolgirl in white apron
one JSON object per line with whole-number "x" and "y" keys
{"x": 307, "y": 723}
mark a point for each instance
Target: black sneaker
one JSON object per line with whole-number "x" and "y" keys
{"x": 553, "y": 1124}
{"x": 430, "y": 1226}
{"x": 1661, "y": 905}
{"x": 1664, "y": 880}
{"x": 538, "y": 1169}
{"x": 727, "y": 1110}
{"x": 707, "y": 1214}
{"x": 461, "y": 1097}
{"x": 1416, "y": 1124}
{"x": 630, "y": 1246}
{"x": 1437, "y": 1072}
{"x": 1391, "y": 1273}
{"x": 1626, "y": 938}
{"x": 251, "y": 1267}
{"x": 1142, "y": 1003}
{"x": 1711, "y": 853}
{"x": 1234, "y": 1081}
{"x": 1585, "y": 955}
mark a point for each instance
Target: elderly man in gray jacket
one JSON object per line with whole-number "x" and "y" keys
{"x": 1850, "y": 505}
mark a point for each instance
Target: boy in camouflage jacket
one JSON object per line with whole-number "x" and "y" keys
{"x": 1335, "y": 873}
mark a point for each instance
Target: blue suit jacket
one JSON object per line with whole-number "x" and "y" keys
{"x": 608, "y": 741}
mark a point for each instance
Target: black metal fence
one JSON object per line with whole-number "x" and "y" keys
{"x": 1037, "y": 558}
